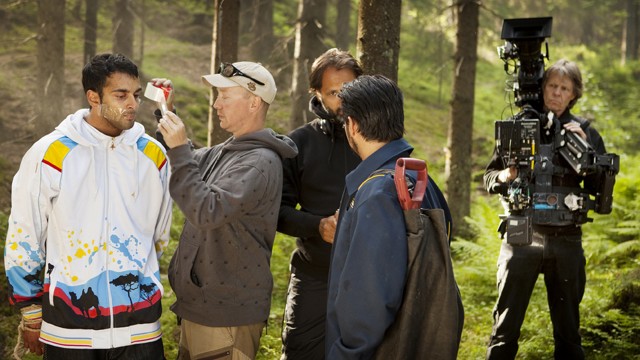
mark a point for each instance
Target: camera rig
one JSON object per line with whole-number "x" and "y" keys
{"x": 523, "y": 57}
{"x": 531, "y": 197}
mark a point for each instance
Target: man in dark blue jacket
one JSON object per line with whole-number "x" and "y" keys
{"x": 369, "y": 258}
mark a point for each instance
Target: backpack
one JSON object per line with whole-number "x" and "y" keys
{"x": 429, "y": 322}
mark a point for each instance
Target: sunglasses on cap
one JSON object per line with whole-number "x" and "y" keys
{"x": 228, "y": 70}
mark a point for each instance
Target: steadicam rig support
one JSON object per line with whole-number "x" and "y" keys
{"x": 532, "y": 198}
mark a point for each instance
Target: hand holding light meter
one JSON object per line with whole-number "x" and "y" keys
{"x": 171, "y": 130}
{"x": 159, "y": 90}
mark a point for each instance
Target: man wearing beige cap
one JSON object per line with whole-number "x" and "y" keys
{"x": 230, "y": 197}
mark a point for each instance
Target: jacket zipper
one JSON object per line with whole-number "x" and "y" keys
{"x": 107, "y": 227}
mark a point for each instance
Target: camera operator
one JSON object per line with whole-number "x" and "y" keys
{"x": 554, "y": 250}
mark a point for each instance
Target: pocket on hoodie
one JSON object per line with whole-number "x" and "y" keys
{"x": 181, "y": 274}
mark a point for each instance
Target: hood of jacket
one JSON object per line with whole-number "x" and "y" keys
{"x": 316, "y": 107}
{"x": 267, "y": 138}
{"x": 328, "y": 123}
{"x": 77, "y": 129}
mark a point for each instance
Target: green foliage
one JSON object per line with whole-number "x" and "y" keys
{"x": 7, "y": 325}
{"x": 5, "y": 176}
{"x": 15, "y": 27}
{"x": 474, "y": 267}
{"x": 622, "y": 226}
{"x": 189, "y": 21}
{"x": 611, "y": 335}
{"x": 285, "y": 14}
{"x": 492, "y": 102}
{"x": 624, "y": 254}
{"x": 626, "y": 296}
{"x": 613, "y": 88}
{"x": 271, "y": 343}
{"x": 572, "y": 24}
{"x": 168, "y": 320}
{"x": 427, "y": 90}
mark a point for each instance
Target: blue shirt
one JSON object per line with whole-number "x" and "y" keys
{"x": 369, "y": 256}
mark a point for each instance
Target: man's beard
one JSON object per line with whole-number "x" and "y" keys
{"x": 115, "y": 116}
{"x": 332, "y": 115}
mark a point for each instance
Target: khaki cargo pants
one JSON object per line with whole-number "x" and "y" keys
{"x": 198, "y": 342}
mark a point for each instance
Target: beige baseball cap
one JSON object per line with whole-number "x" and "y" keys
{"x": 247, "y": 74}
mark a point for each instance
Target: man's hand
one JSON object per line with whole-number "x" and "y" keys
{"x": 165, "y": 83}
{"x": 575, "y": 127}
{"x": 327, "y": 227}
{"x": 173, "y": 130}
{"x": 30, "y": 336}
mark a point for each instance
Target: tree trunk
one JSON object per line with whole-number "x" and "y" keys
{"x": 460, "y": 136}
{"x": 631, "y": 32}
{"x": 247, "y": 14}
{"x": 142, "y": 15}
{"x": 378, "y": 40}
{"x": 343, "y": 24}
{"x": 308, "y": 45}
{"x": 76, "y": 9}
{"x": 263, "y": 41}
{"x": 123, "y": 28}
{"x": 90, "y": 29}
{"x": 224, "y": 48}
{"x": 50, "y": 84}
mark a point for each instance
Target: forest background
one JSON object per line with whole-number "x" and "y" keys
{"x": 173, "y": 39}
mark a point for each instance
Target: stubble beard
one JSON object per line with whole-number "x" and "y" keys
{"x": 332, "y": 115}
{"x": 117, "y": 117}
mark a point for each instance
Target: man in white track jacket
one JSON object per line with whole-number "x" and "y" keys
{"x": 90, "y": 217}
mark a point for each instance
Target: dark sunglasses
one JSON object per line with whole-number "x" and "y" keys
{"x": 228, "y": 70}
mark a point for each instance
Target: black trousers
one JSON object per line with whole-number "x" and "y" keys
{"x": 561, "y": 260}
{"x": 148, "y": 351}
{"x": 304, "y": 318}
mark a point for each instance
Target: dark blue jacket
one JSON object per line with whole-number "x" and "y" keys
{"x": 369, "y": 256}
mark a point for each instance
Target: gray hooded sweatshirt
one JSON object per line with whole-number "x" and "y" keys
{"x": 230, "y": 196}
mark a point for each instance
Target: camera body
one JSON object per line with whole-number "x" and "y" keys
{"x": 522, "y": 50}
{"x": 531, "y": 198}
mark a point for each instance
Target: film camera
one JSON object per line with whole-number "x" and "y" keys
{"x": 532, "y": 199}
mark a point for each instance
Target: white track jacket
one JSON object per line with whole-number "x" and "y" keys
{"x": 93, "y": 213}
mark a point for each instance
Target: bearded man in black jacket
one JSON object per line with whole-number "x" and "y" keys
{"x": 314, "y": 180}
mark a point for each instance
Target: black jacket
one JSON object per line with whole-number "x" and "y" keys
{"x": 314, "y": 179}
